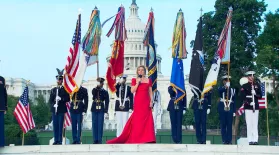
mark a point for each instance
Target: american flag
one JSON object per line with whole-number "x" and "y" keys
{"x": 72, "y": 64}
{"x": 262, "y": 101}
{"x": 23, "y": 113}
{"x": 67, "y": 117}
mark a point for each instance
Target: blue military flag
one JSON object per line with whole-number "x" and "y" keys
{"x": 177, "y": 79}
{"x": 151, "y": 61}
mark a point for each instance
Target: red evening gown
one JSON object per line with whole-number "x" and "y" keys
{"x": 140, "y": 127}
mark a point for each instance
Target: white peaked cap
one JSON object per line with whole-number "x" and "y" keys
{"x": 250, "y": 73}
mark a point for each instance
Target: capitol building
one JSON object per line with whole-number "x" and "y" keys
{"x": 135, "y": 55}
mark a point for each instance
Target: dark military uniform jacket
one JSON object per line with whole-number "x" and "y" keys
{"x": 205, "y": 103}
{"x": 126, "y": 101}
{"x": 100, "y": 100}
{"x": 246, "y": 91}
{"x": 79, "y": 102}
{"x": 62, "y": 103}
{"x": 3, "y": 95}
{"x": 223, "y": 98}
{"x": 181, "y": 104}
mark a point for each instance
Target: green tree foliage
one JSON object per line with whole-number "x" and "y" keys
{"x": 268, "y": 52}
{"x": 41, "y": 112}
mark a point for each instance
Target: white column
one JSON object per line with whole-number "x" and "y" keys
{"x": 138, "y": 61}
{"x": 135, "y": 62}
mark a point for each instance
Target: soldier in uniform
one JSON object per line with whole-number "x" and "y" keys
{"x": 78, "y": 109}
{"x": 58, "y": 99}
{"x": 157, "y": 109}
{"x": 123, "y": 104}
{"x": 250, "y": 93}
{"x": 176, "y": 111}
{"x": 226, "y": 109}
{"x": 201, "y": 110}
{"x": 3, "y": 109}
{"x": 99, "y": 109}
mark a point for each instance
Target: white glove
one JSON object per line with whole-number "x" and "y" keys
{"x": 252, "y": 104}
{"x": 253, "y": 92}
{"x": 83, "y": 113}
{"x": 208, "y": 111}
{"x": 58, "y": 98}
{"x": 228, "y": 84}
{"x": 130, "y": 111}
{"x": 233, "y": 114}
{"x": 55, "y": 105}
{"x": 184, "y": 112}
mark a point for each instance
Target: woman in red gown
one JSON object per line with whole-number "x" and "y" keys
{"x": 140, "y": 127}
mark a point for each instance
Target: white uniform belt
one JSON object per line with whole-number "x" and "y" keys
{"x": 125, "y": 99}
{"x": 225, "y": 100}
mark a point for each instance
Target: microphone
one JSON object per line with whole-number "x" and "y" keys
{"x": 140, "y": 76}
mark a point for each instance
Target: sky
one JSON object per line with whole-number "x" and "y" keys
{"x": 36, "y": 35}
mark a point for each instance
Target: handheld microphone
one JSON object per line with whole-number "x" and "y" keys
{"x": 140, "y": 76}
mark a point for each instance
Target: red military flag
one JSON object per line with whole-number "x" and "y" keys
{"x": 116, "y": 63}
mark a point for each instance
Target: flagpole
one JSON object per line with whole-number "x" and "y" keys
{"x": 97, "y": 66}
{"x": 22, "y": 143}
{"x": 267, "y": 122}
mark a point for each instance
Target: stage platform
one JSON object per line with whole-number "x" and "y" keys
{"x": 140, "y": 149}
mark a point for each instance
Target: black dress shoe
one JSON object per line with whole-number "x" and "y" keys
{"x": 198, "y": 143}
{"x": 95, "y": 142}
{"x": 256, "y": 143}
{"x": 251, "y": 143}
{"x": 74, "y": 142}
{"x": 77, "y": 142}
{"x": 54, "y": 143}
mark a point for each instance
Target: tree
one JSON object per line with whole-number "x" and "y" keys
{"x": 268, "y": 52}
{"x": 188, "y": 117}
{"x": 246, "y": 18}
{"x": 41, "y": 112}
{"x": 9, "y": 117}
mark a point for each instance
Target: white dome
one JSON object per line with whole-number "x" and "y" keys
{"x": 135, "y": 51}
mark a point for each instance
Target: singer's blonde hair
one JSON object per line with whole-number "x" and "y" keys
{"x": 141, "y": 66}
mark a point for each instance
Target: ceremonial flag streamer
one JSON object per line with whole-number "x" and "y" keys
{"x": 178, "y": 54}
{"x": 151, "y": 61}
{"x": 196, "y": 79}
{"x": 223, "y": 45}
{"x": 23, "y": 113}
{"x": 116, "y": 63}
{"x": 91, "y": 42}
